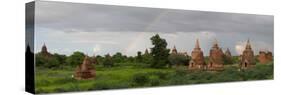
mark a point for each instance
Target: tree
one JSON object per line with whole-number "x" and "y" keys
{"x": 76, "y": 58}
{"x": 147, "y": 58}
{"x": 139, "y": 57}
{"x": 178, "y": 59}
{"x": 46, "y": 61}
{"x": 60, "y": 58}
{"x": 118, "y": 58}
{"x": 159, "y": 52}
{"x": 108, "y": 61}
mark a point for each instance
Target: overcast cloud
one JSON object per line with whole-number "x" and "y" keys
{"x": 102, "y": 29}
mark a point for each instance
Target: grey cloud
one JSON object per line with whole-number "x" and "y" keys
{"x": 229, "y": 28}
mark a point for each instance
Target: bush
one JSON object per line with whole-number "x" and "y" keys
{"x": 108, "y": 62}
{"x": 140, "y": 79}
{"x": 154, "y": 80}
{"x": 75, "y": 59}
{"x": 178, "y": 59}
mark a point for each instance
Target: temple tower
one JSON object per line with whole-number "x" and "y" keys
{"x": 44, "y": 50}
{"x": 247, "y": 58}
{"x": 174, "y": 50}
{"x": 216, "y": 58}
{"x": 197, "y": 58}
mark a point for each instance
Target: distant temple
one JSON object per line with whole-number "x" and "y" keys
{"x": 197, "y": 58}
{"x": 85, "y": 70}
{"x": 146, "y": 52}
{"x": 216, "y": 58}
{"x": 44, "y": 50}
{"x": 265, "y": 57}
{"x": 174, "y": 50}
{"x": 247, "y": 59}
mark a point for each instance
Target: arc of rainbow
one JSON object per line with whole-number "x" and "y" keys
{"x": 140, "y": 35}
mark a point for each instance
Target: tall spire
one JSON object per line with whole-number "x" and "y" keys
{"x": 197, "y": 44}
{"x": 44, "y": 48}
{"x": 248, "y": 45}
{"x": 146, "y": 51}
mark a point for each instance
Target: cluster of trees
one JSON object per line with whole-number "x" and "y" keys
{"x": 159, "y": 57}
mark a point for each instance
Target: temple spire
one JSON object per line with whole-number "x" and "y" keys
{"x": 197, "y": 44}
{"x": 248, "y": 45}
{"x": 174, "y": 50}
{"x": 146, "y": 51}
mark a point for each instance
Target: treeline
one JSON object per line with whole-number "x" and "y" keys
{"x": 158, "y": 57}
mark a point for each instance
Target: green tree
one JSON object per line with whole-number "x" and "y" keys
{"x": 147, "y": 58}
{"x": 60, "y": 58}
{"x": 159, "y": 52}
{"x": 178, "y": 59}
{"x": 108, "y": 61}
{"x": 118, "y": 58}
{"x": 75, "y": 59}
{"x": 139, "y": 57}
{"x": 46, "y": 61}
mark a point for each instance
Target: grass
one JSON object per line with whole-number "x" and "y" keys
{"x": 60, "y": 80}
{"x": 133, "y": 76}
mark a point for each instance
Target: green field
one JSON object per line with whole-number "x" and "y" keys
{"x": 134, "y": 76}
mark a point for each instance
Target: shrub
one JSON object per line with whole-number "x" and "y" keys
{"x": 140, "y": 79}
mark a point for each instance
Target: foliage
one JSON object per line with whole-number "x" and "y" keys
{"x": 60, "y": 80}
{"x": 75, "y": 59}
{"x": 46, "y": 61}
{"x": 140, "y": 79}
{"x": 108, "y": 62}
{"x": 178, "y": 59}
{"x": 139, "y": 57}
{"x": 159, "y": 52}
{"x": 60, "y": 58}
{"x": 118, "y": 58}
{"x": 147, "y": 58}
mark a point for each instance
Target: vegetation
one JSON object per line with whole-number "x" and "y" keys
{"x": 159, "y": 52}
{"x": 54, "y": 73}
{"x": 132, "y": 76}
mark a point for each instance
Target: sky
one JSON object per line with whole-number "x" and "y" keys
{"x": 101, "y": 29}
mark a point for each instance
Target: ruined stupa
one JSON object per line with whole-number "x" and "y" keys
{"x": 247, "y": 59}
{"x": 265, "y": 57}
{"x": 197, "y": 58}
{"x": 85, "y": 70}
{"x": 216, "y": 58}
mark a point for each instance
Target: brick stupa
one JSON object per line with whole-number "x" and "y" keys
{"x": 216, "y": 58}
{"x": 265, "y": 57}
{"x": 85, "y": 70}
{"x": 247, "y": 59}
{"x": 197, "y": 59}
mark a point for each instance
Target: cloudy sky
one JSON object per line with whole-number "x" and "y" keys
{"x": 101, "y": 29}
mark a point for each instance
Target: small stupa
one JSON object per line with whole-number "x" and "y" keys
{"x": 85, "y": 70}
{"x": 247, "y": 59}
